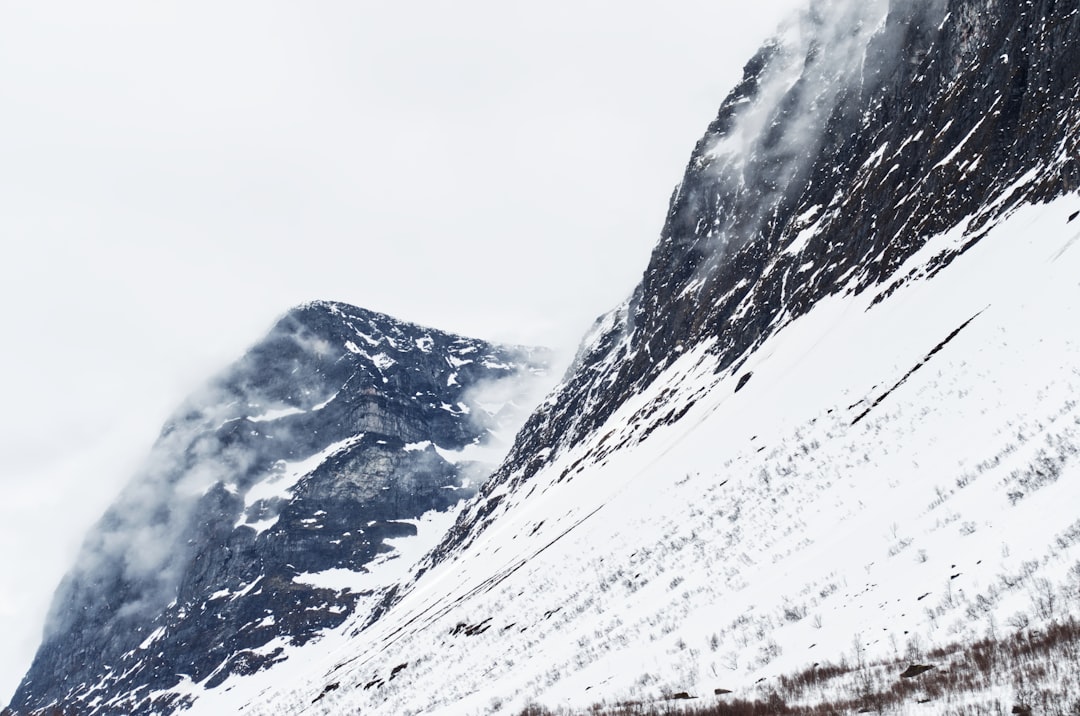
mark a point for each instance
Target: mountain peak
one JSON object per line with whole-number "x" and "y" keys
{"x": 273, "y": 500}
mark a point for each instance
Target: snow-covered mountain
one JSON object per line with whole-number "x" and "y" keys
{"x": 836, "y": 425}
{"x": 840, "y": 408}
{"x": 277, "y": 502}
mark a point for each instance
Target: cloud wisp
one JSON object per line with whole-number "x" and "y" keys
{"x": 758, "y": 154}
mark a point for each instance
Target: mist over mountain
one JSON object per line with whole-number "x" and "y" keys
{"x": 836, "y": 425}
{"x": 340, "y": 432}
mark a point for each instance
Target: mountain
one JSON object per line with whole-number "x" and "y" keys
{"x": 865, "y": 131}
{"x": 823, "y": 459}
{"x": 834, "y": 426}
{"x": 277, "y": 503}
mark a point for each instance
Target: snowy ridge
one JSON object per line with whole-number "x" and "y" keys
{"x": 851, "y": 216}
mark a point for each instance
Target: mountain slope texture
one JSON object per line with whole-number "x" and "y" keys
{"x": 834, "y": 430}
{"x": 273, "y": 507}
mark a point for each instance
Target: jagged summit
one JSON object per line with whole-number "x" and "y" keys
{"x": 270, "y": 502}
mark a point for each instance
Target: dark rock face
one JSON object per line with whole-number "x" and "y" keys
{"x": 834, "y": 160}
{"x": 306, "y": 455}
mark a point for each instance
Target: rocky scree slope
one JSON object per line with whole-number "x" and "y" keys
{"x": 329, "y": 438}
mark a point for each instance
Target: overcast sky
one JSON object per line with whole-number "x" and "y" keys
{"x": 175, "y": 175}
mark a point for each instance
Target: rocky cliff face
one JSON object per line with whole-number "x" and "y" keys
{"x": 863, "y": 130}
{"x": 268, "y": 504}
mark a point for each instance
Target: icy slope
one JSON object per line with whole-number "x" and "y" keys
{"x": 900, "y": 474}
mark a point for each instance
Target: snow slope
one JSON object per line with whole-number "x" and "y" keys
{"x": 883, "y": 477}
{"x": 835, "y": 421}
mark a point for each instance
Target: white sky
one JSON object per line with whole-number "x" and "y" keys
{"x": 175, "y": 175}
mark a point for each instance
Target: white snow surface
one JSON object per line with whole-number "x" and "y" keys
{"x": 766, "y": 529}
{"x": 276, "y": 413}
{"x": 283, "y": 478}
{"x": 390, "y": 567}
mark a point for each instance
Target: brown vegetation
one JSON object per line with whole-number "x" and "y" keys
{"x": 1041, "y": 669}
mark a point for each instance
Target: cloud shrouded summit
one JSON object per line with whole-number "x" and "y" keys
{"x": 338, "y": 432}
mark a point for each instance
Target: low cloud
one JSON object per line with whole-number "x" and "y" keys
{"x": 768, "y": 137}
{"x": 137, "y": 547}
{"x": 501, "y": 406}
{"x": 132, "y": 562}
